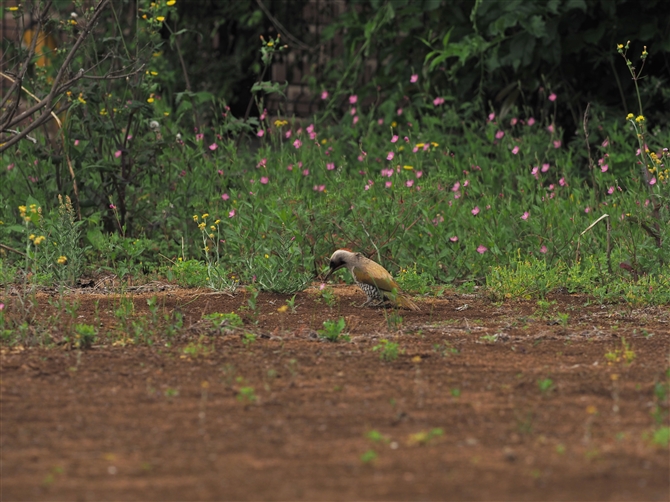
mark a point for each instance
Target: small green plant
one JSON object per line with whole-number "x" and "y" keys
{"x": 170, "y": 392}
{"x": 224, "y": 323}
{"x": 369, "y": 456}
{"x": 394, "y": 320}
{"x": 625, "y": 354}
{"x": 247, "y": 395}
{"x": 415, "y": 282}
{"x": 660, "y": 436}
{"x": 252, "y": 301}
{"x": 563, "y": 319}
{"x": 332, "y": 331}
{"x": 388, "y": 351}
{"x": 543, "y": 307}
{"x": 489, "y": 338}
{"x": 248, "y": 339}
{"x": 377, "y": 437}
{"x": 84, "y": 336}
{"x": 545, "y": 385}
{"x": 199, "y": 348}
{"x": 424, "y": 437}
{"x": 291, "y": 304}
{"x": 328, "y": 295}
{"x": 445, "y": 349}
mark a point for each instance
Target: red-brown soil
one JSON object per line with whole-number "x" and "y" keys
{"x": 138, "y": 422}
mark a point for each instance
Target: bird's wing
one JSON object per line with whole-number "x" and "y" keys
{"x": 375, "y": 275}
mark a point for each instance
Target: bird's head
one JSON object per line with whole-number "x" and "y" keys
{"x": 340, "y": 258}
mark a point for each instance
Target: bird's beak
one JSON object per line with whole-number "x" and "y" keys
{"x": 331, "y": 271}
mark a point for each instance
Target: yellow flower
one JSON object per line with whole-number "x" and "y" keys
{"x": 282, "y": 309}
{"x": 22, "y": 210}
{"x": 267, "y": 256}
{"x": 205, "y": 215}
{"x": 154, "y": 73}
{"x": 420, "y": 145}
{"x": 39, "y": 240}
{"x": 81, "y": 100}
{"x": 270, "y": 43}
{"x": 150, "y": 100}
{"x": 629, "y": 116}
{"x": 103, "y": 112}
{"x": 639, "y": 119}
{"x": 211, "y": 236}
{"x": 409, "y": 168}
{"x": 324, "y": 141}
{"x": 212, "y": 227}
{"x": 201, "y": 225}
{"x": 31, "y": 237}
{"x": 619, "y": 46}
{"x": 394, "y": 124}
{"x": 167, "y": 114}
{"x": 171, "y": 2}
{"x": 206, "y": 248}
{"x": 13, "y": 8}
{"x": 401, "y": 148}
{"x": 160, "y": 18}
{"x": 62, "y": 260}
{"x": 195, "y": 217}
{"x": 217, "y": 222}
{"x": 434, "y": 145}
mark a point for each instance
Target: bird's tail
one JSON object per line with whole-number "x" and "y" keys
{"x": 402, "y": 300}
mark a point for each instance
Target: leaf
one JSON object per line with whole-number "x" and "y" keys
{"x": 576, "y": 4}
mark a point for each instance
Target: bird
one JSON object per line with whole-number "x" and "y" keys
{"x": 375, "y": 281}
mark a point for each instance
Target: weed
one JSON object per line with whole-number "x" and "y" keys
{"x": 563, "y": 319}
{"x": 659, "y": 437}
{"x": 328, "y": 295}
{"x": 546, "y": 385}
{"x": 291, "y": 304}
{"x": 369, "y": 457}
{"x": 248, "y": 339}
{"x": 377, "y": 437}
{"x": 455, "y": 392}
{"x": 388, "y": 351}
{"x": 394, "y": 320}
{"x": 247, "y": 395}
{"x": 84, "y": 336}
{"x": 199, "y": 348}
{"x": 224, "y": 323}
{"x": 424, "y": 437}
{"x": 625, "y": 354}
{"x": 445, "y": 349}
{"x": 332, "y": 331}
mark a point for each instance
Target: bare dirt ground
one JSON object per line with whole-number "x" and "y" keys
{"x": 485, "y": 402}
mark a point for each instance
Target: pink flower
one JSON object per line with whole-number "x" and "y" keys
{"x": 2, "y": 306}
{"x": 481, "y": 249}
{"x": 515, "y": 150}
{"x": 361, "y": 157}
{"x": 409, "y": 183}
{"x": 387, "y": 172}
{"x": 552, "y": 97}
{"x": 10, "y": 166}
{"x": 438, "y": 101}
{"x": 220, "y": 171}
{"x": 330, "y": 166}
{"x": 551, "y": 187}
{"x": 557, "y": 143}
{"x": 545, "y": 167}
{"x": 388, "y": 184}
{"x": 76, "y": 142}
{"x": 399, "y": 112}
{"x": 418, "y": 174}
{"x": 112, "y": 206}
{"x": 587, "y": 209}
{"x": 414, "y": 78}
{"x": 550, "y": 128}
{"x": 225, "y": 196}
{"x": 117, "y": 154}
{"x": 604, "y": 168}
{"x": 513, "y": 121}
{"x": 456, "y": 186}
{"x": 319, "y": 188}
{"x": 475, "y": 211}
{"x": 199, "y": 137}
{"x": 353, "y": 99}
{"x": 530, "y": 121}
{"x": 606, "y": 143}
{"x": 260, "y": 133}
{"x": 453, "y": 239}
{"x": 426, "y": 147}
{"x": 262, "y": 163}
{"x": 390, "y": 156}
{"x": 394, "y": 138}
{"x": 610, "y": 190}
{"x": 543, "y": 249}
{"x": 466, "y": 183}
{"x": 652, "y": 181}
{"x": 297, "y": 143}
{"x": 288, "y": 133}
{"x": 534, "y": 172}
{"x": 352, "y": 111}
{"x": 380, "y": 121}
{"x": 213, "y": 146}
{"x": 525, "y": 215}
{"x": 355, "y": 120}
{"x": 562, "y": 182}
{"x": 305, "y": 172}
{"x": 231, "y": 213}
{"x": 500, "y": 134}
{"x": 324, "y": 94}
{"x": 492, "y": 116}
{"x": 264, "y": 180}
